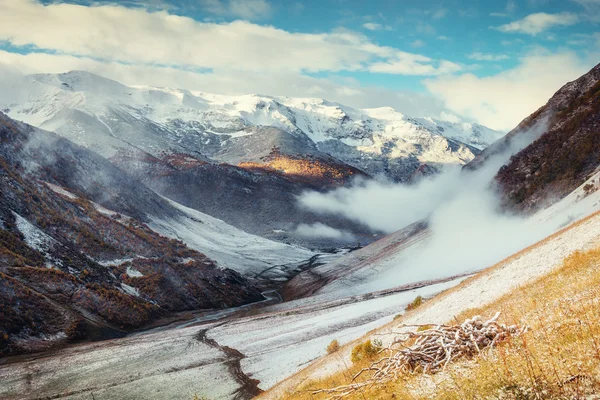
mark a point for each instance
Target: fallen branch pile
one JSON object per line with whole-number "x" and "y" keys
{"x": 430, "y": 350}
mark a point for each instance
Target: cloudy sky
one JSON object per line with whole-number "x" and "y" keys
{"x": 493, "y": 62}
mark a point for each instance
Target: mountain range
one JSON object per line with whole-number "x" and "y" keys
{"x": 243, "y": 159}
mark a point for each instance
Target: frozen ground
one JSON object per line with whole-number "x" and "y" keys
{"x": 216, "y": 360}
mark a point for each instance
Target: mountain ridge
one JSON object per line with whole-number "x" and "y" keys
{"x": 561, "y": 151}
{"x": 370, "y": 138}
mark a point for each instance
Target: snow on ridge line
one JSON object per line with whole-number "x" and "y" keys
{"x": 314, "y": 116}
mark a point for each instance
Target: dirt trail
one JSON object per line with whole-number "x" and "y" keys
{"x": 249, "y": 389}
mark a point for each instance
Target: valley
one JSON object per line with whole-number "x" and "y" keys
{"x": 155, "y": 242}
{"x": 186, "y": 360}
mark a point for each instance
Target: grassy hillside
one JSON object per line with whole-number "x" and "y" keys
{"x": 558, "y": 358}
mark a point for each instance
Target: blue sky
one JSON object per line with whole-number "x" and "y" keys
{"x": 452, "y": 59}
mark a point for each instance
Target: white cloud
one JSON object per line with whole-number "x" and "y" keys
{"x": 501, "y": 101}
{"x": 584, "y": 39}
{"x": 424, "y": 27}
{"x": 413, "y": 64}
{"x": 277, "y": 83}
{"x": 417, "y": 43}
{"x": 534, "y": 24}
{"x": 372, "y": 26}
{"x": 487, "y": 57}
{"x": 439, "y": 14}
{"x": 511, "y": 6}
{"x": 442, "y": 37}
{"x": 510, "y": 43}
{"x": 245, "y": 9}
{"x": 137, "y": 36}
{"x": 592, "y": 9}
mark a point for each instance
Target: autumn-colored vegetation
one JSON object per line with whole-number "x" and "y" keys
{"x": 415, "y": 303}
{"x": 560, "y": 160}
{"x": 51, "y": 285}
{"x": 24, "y": 312}
{"x": 333, "y": 346}
{"x": 182, "y": 161}
{"x": 303, "y": 169}
{"x": 558, "y": 358}
{"x": 363, "y": 352}
{"x": 114, "y": 306}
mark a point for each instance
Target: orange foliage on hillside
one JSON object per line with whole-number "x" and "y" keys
{"x": 311, "y": 170}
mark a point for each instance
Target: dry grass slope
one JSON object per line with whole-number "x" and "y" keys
{"x": 559, "y": 358}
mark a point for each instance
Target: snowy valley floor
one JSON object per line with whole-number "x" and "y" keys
{"x": 218, "y": 360}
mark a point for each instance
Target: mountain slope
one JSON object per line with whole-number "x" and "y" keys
{"x": 80, "y": 254}
{"x": 254, "y": 198}
{"x": 243, "y": 159}
{"x": 498, "y": 285}
{"x": 564, "y": 137}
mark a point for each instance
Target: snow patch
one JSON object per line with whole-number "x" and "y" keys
{"x": 59, "y": 190}
{"x": 118, "y": 261}
{"x": 130, "y": 290}
{"x": 34, "y": 237}
{"x": 228, "y": 246}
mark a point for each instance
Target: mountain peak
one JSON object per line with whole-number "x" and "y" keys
{"x": 105, "y": 115}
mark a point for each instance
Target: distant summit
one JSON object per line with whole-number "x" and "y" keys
{"x": 107, "y": 116}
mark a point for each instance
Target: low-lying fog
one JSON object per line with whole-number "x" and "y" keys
{"x": 469, "y": 231}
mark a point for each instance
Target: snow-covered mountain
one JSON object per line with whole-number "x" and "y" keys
{"x": 108, "y": 117}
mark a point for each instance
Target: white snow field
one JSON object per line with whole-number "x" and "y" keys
{"x": 231, "y": 247}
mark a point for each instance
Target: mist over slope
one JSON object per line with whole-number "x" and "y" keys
{"x": 561, "y": 155}
{"x": 472, "y": 216}
{"x": 88, "y": 251}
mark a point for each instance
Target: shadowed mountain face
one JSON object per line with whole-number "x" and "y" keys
{"x": 76, "y": 256}
{"x": 254, "y": 197}
{"x": 178, "y": 142}
{"x": 563, "y": 148}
